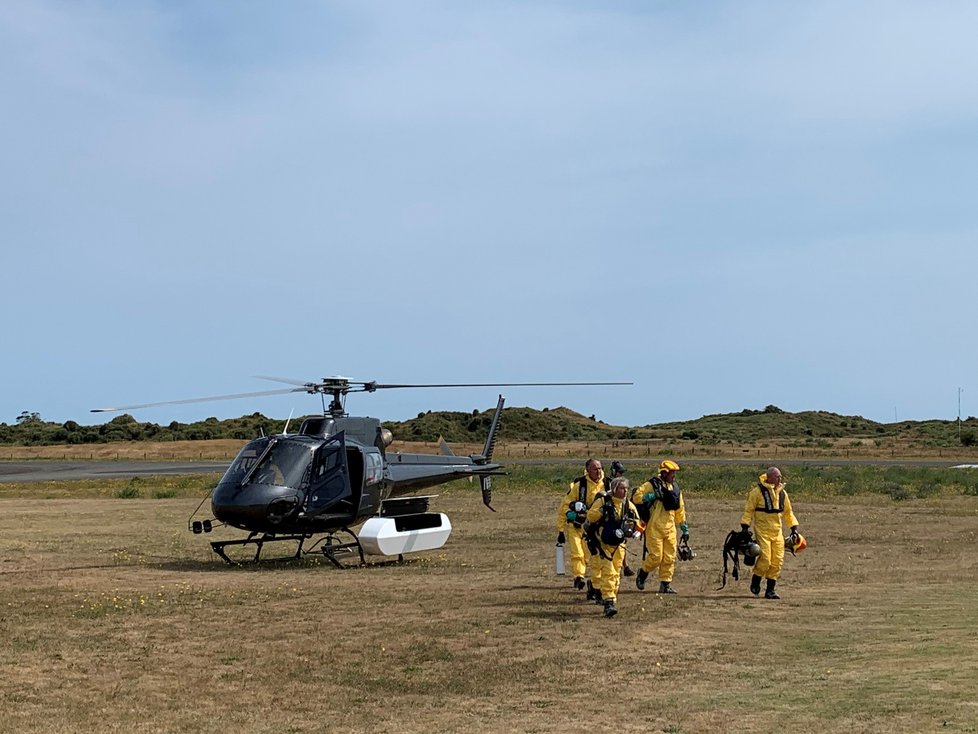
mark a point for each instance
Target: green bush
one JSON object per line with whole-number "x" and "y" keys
{"x": 897, "y": 491}
{"x": 130, "y": 491}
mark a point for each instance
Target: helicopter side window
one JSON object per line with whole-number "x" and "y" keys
{"x": 330, "y": 476}
{"x": 373, "y": 467}
{"x": 328, "y": 461}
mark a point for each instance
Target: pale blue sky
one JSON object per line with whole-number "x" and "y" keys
{"x": 733, "y": 204}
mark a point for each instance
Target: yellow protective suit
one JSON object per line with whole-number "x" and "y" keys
{"x": 609, "y": 560}
{"x": 660, "y": 534}
{"x": 768, "y": 531}
{"x": 574, "y": 535}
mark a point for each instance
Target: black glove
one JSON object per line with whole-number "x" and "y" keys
{"x": 560, "y": 538}
{"x": 745, "y": 536}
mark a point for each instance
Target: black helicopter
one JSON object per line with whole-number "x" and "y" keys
{"x": 334, "y": 474}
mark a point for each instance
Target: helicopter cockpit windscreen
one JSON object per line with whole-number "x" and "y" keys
{"x": 286, "y": 465}
{"x": 245, "y": 460}
{"x": 270, "y": 461}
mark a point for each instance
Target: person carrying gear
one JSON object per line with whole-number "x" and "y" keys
{"x": 614, "y": 519}
{"x": 767, "y": 503}
{"x": 571, "y": 516}
{"x": 660, "y": 503}
{"x": 618, "y": 470}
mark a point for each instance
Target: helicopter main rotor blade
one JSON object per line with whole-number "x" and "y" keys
{"x": 199, "y": 400}
{"x": 346, "y": 385}
{"x": 340, "y": 386}
{"x": 371, "y": 386}
{"x": 286, "y": 380}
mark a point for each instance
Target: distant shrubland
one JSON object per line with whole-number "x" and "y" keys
{"x": 748, "y": 427}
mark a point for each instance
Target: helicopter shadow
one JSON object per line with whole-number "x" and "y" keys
{"x": 271, "y": 564}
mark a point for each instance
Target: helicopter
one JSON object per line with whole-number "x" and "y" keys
{"x": 334, "y": 474}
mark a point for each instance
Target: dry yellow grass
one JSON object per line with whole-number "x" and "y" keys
{"x": 226, "y": 449}
{"x": 115, "y": 618}
{"x": 128, "y": 450}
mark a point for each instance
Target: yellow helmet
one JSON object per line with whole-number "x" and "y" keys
{"x": 668, "y": 465}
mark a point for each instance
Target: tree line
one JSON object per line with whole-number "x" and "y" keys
{"x": 31, "y": 430}
{"x": 518, "y": 424}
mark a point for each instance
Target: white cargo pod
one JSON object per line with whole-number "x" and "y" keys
{"x": 392, "y": 536}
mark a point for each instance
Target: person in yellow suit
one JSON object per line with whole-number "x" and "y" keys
{"x": 618, "y": 470}
{"x": 571, "y": 516}
{"x": 614, "y": 519}
{"x": 767, "y": 504}
{"x": 662, "y": 500}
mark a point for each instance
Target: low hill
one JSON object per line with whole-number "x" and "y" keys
{"x": 518, "y": 424}
{"x": 745, "y": 427}
{"x": 771, "y": 425}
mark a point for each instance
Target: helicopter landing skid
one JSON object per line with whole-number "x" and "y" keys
{"x": 259, "y": 542}
{"x": 329, "y": 545}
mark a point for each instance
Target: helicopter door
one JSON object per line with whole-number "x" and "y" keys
{"x": 329, "y": 488}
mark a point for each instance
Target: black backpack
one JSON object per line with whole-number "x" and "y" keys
{"x": 613, "y": 531}
{"x": 669, "y": 500}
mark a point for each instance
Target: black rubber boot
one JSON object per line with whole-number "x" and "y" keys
{"x": 590, "y": 591}
{"x": 640, "y": 580}
{"x": 578, "y": 582}
{"x": 597, "y": 597}
{"x": 771, "y": 593}
{"x": 610, "y": 610}
{"x": 665, "y": 588}
{"x": 755, "y": 585}
{"x": 627, "y": 570}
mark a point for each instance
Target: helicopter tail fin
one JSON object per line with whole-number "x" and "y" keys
{"x": 493, "y": 428}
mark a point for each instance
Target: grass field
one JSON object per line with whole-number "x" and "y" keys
{"x": 632, "y": 450}
{"x": 115, "y": 618}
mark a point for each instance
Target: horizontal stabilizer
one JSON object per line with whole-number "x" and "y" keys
{"x": 444, "y": 448}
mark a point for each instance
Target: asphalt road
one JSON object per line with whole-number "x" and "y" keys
{"x": 46, "y": 471}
